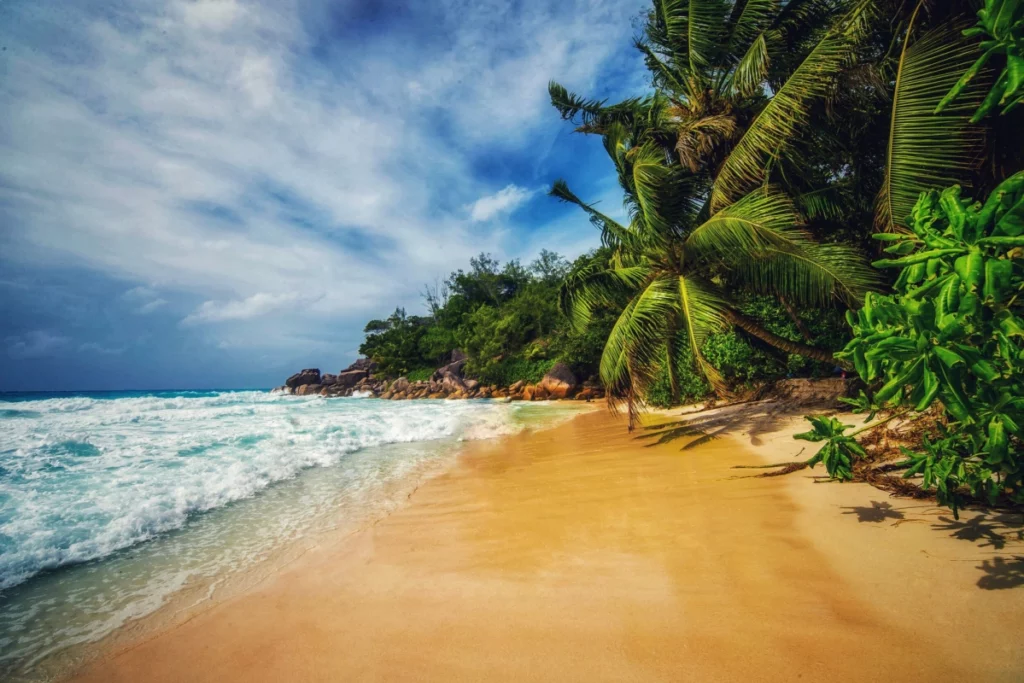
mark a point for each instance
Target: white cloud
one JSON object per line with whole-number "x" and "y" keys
{"x": 199, "y": 148}
{"x": 257, "y": 305}
{"x": 146, "y": 299}
{"x": 149, "y": 307}
{"x": 502, "y": 201}
{"x": 34, "y": 344}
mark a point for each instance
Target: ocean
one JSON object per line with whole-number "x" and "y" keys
{"x": 113, "y": 504}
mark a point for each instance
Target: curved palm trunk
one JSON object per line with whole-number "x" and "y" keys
{"x": 752, "y": 328}
{"x": 791, "y": 312}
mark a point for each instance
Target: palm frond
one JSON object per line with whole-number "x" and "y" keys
{"x": 782, "y": 119}
{"x": 593, "y": 116}
{"x": 664, "y": 75}
{"x": 749, "y": 75}
{"x": 760, "y": 239}
{"x": 929, "y": 150}
{"x": 813, "y": 275}
{"x": 594, "y": 284}
{"x": 762, "y": 218}
{"x": 705, "y": 27}
{"x": 703, "y": 311}
{"x": 635, "y": 343}
{"x": 826, "y": 203}
{"x": 613, "y": 234}
{"x": 753, "y": 17}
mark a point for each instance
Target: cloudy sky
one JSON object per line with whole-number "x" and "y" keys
{"x": 216, "y": 193}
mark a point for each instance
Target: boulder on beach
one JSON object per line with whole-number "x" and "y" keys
{"x": 308, "y": 390}
{"x": 559, "y": 382}
{"x": 453, "y": 369}
{"x": 308, "y": 376}
{"x": 328, "y": 379}
{"x": 350, "y": 378}
{"x": 362, "y": 364}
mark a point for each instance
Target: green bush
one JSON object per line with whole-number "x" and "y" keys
{"x": 419, "y": 374}
{"x": 508, "y": 371}
{"x": 952, "y": 332}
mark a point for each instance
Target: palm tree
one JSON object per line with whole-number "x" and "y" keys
{"x": 735, "y": 86}
{"x": 716, "y": 170}
{"x": 673, "y": 266}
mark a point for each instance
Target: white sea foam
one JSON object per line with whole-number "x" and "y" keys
{"x": 83, "y": 477}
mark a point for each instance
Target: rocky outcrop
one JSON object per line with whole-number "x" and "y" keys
{"x": 308, "y": 376}
{"x": 362, "y": 364}
{"x": 447, "y": 382}
{"x": 308, "y": 390}
{"x": 350, "y": 378}
{"x": 559, "y": 382}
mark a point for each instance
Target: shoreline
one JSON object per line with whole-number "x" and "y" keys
{"x": 582, "y": 553}
{"x": 263, "y": 533}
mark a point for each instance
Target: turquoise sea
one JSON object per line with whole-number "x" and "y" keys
{"x": 114, "y": 504}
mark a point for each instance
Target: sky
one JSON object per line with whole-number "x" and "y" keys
{"x": 217, "y": 193}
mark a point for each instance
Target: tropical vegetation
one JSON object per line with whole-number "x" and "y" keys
{"x": 777, "y": 138}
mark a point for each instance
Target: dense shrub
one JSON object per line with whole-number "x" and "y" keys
{"x": 419, "y": 374}
{"x": 953, "y": 332}
{"x": 506, "y": 372}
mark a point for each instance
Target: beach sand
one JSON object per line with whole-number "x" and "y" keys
{"x": 583, "y": 553}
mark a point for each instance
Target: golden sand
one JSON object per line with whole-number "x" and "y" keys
{"x": 582, "y": 553}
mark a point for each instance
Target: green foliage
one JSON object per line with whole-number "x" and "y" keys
{"x": 928, "y": 150}
{"x": 508, "y": 371}
{"x": 419, "y": 374}
{"x": 395, "y": 343}
{"x": 839, "y": 450}
{"x": 953, "y": 332}
{"x": 1001, "y": 27}
{"x": 504, "y": 317}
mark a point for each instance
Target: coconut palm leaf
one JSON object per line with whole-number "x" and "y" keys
{"x": 595, "y": 284}
{"x": 690, "y": 31}
{"x": 634, "y": 345}
{"x": 813, "y": 275}
{"x": 749, "y": 20}
{"x": 929, "y": 150}
{"x": 612, "y": 233}
{"x": 664, "y": 74}
{"x": 760, "y": 239}
{"x": 592, "y": 116}
{"x": 749, "y": 75}
{"x": 781, "y": 120}
{"x": 703, "y": 310}
{"x": 763, "y": 218}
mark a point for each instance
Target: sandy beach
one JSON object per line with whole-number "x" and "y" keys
{"x": 584, "y": 553}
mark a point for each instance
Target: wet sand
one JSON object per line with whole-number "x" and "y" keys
{"x": 582, "y": 553}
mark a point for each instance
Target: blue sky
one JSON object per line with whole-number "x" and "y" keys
{"x": 216, "y": 193}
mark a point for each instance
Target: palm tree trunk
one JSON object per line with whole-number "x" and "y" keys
{"x": 801, "y": 328}
{"x": 752, "y": 328}
{"x": 671, "y": 359}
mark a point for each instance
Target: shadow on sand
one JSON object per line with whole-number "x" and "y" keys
{"x": 992, "y": 530}
{"x": 754, "y": 418}
{"x": 878, "y": 512}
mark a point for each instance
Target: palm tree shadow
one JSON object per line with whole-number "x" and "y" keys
{"x": 754, "y": 419}
{"x": 1002, "y": 573}
{"x": 878, "y": 512}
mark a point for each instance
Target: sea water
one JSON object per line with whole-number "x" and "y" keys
{"x": 112, "y": 504}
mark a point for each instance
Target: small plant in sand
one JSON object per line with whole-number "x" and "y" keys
{"x": 952, "y": 332}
